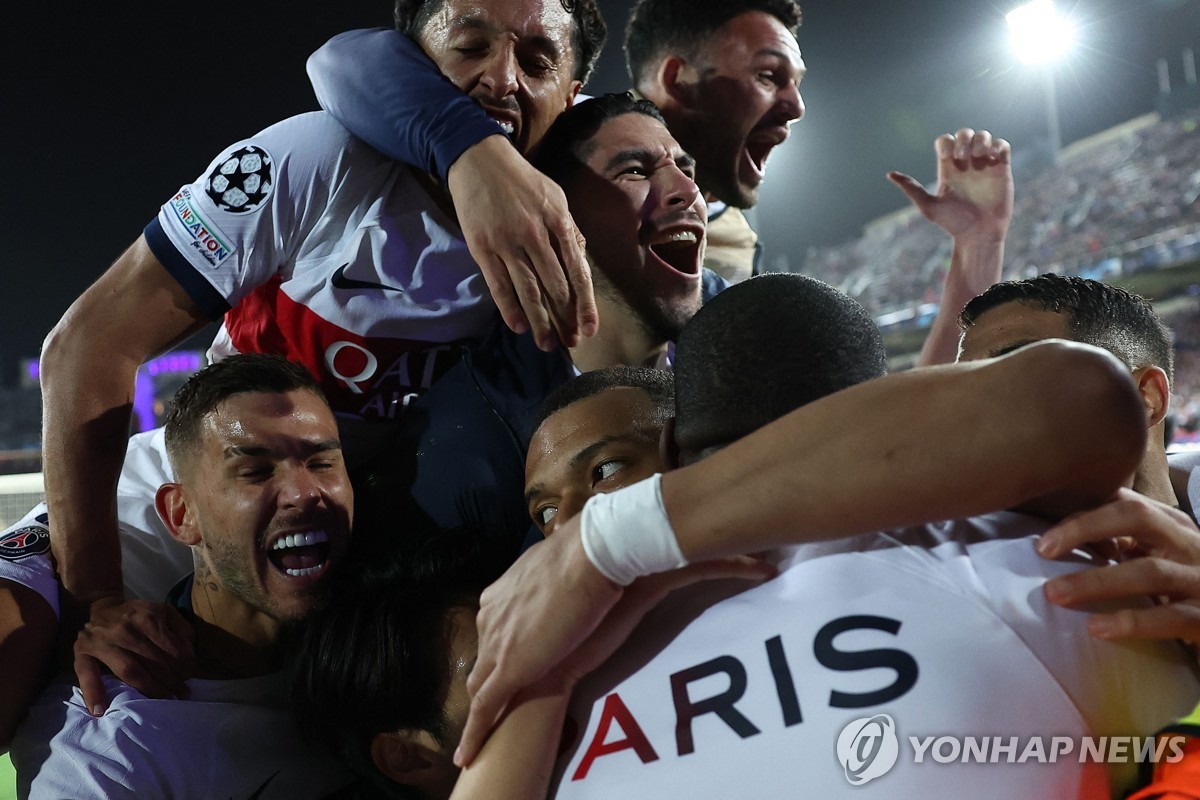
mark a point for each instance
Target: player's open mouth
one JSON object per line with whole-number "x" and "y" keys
{"x": 759, "y": 145}
{"x": 506, "y": 119}
{"x": 679, "y": 250}
{"x": 300, "y": 555}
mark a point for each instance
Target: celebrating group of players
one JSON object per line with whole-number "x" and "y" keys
{"x": 461, "y": 356}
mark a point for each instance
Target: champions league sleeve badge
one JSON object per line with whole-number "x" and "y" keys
{"x": 242, "y": 180}
{"x": 31, "y": 540}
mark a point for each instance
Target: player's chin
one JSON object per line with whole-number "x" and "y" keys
{"x": 297, "y": 609}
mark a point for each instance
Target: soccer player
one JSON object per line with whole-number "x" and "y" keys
{"x": 1015, "y": 313}
{"x": 264, "y": 502}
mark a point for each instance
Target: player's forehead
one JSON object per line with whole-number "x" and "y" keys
{"x": 615, "y": 413}
{"x": 1010, "y": 325}
{"x": 531, "y": 21}
{"x": 632, "y": 133}
{"x": 277, "y": 421}
{"x": 753, "y": 35}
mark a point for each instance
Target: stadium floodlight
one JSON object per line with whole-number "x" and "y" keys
{"x": 1039, "y": 33}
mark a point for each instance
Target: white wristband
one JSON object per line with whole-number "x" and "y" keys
{"x": 626, "y": 533}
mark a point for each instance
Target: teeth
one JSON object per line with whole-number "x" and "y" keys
{"x": 300, "y": 540}
{"x": 681, "y": 236}
{"x": 300, "y": 573}
{"x": 507, "y": 126}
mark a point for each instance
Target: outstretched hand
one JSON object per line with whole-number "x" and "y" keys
{"x": 1161, "y": 546}
{"x": 520, "y": 232}
{"x": 974, "y": 195}
{"x": 146, "y": 645}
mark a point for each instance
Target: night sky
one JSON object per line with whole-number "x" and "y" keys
{"x": 110, "y": 108}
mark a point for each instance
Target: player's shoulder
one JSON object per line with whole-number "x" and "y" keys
{"x": 313, "y": 132}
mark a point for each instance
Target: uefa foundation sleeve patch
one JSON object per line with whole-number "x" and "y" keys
{"x": 31, "y": 540}
{"x": 242, "y": 180}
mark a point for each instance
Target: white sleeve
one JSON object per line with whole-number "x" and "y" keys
{"x": 152, "y": 561}
{"x": 25, "y": 555}
{"x": 1187, "y": 461}
{"x": 61, "y": 750}
{"x": 237, "y": 225}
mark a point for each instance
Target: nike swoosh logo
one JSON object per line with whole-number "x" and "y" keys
{"x": 340, "y": 281}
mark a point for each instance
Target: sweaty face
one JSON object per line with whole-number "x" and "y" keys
{"x": 270, "y": 496}
{"x": 1006, "y": 327}
{"x": 513, "y": 58}
{"x": 643, "y": 217}
{"x": 593, "y": 446}
{"x": 746, "y": 95}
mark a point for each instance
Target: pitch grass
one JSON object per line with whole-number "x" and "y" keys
{"x": 8, "y": 779}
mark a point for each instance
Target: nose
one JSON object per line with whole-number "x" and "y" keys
{"x": 676, "y": 188}
{"x": 299, "y": 488}
{"x": 500, "y": 71}
{"x": 790, "y": 101}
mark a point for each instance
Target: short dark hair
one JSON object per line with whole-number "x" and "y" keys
{"x": 374, "y": 660}
{"x": 661, "y": 27}
{"x": 763, "y": 348}
{"x": 587, "y": 34}
{"x": 217, "y": 382}
{"x": 563, "y": 149}
{"x": 657, "y": 383}
{"x": 1101, "y": 315}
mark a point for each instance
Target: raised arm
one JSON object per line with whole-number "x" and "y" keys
{"x": 1054, "y": 422}
{"x": 973, "y": 203}
{"x": 384, "y": 89}
{"x": 89, "y": 364}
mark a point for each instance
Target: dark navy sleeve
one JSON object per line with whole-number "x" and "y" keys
{"x": 712, "y": 284}
{"x": 383, "y": 88}
{"x": 201, "y": 291}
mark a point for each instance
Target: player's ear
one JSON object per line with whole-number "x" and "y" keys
{"x": 1155, "y": 391}
{"x": 409, "y": 757}
{"x": 572, "y": 94}
{"x": 668, "y": 450}
{"x": 678, "y": 79}
{"x": 171, "y": 502}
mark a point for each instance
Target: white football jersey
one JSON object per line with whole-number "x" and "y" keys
{"x": 929, "y": 632}
{"x": 328, "y": 252}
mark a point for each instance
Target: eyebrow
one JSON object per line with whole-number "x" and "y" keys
{"x": 644, "y": 156}
{"x": 474, "y": 23}
{"x": 801, "y": 71}
{"x": 1003, "y": 351}
{"x": 258, "y": 451}
{"x": 538, "y": 489}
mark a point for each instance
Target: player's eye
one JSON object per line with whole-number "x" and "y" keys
{"x": 543, "y": 515}
{"x": 255, "y": 472}
{"x": 606, "y": 469}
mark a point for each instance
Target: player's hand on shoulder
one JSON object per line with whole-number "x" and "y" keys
{"x": 1160, "y": 558}
{"x": 518, "y": 228}
{"x": 146, "y": 645}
